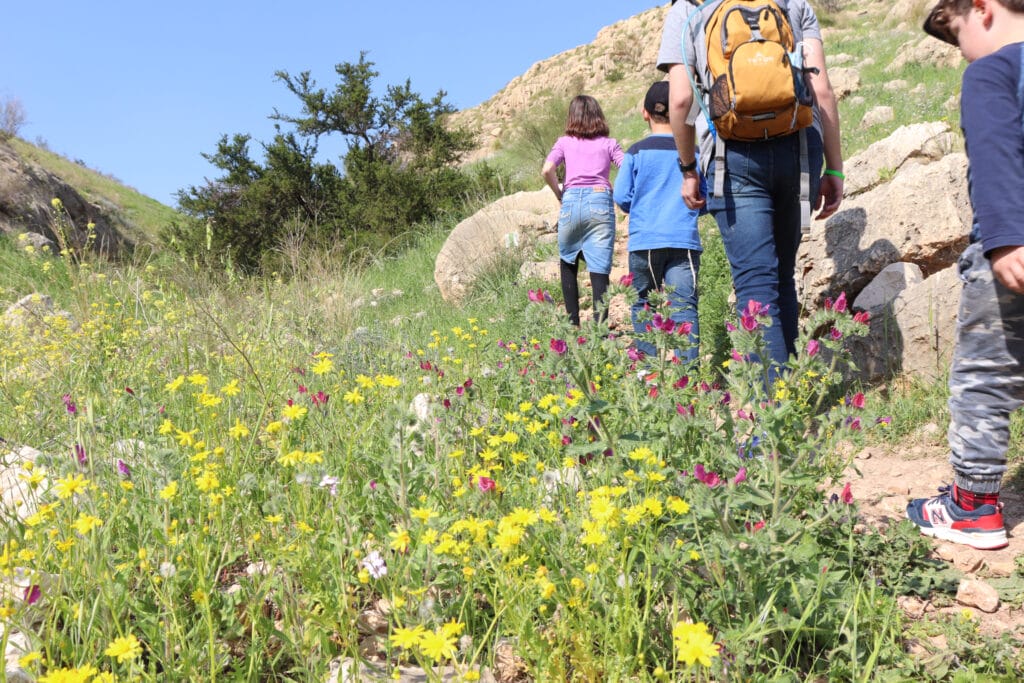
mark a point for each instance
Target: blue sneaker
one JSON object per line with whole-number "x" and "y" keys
{"x": 942, "y": 518}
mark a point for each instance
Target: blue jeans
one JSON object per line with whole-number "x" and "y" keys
{"x": 758, "y": 217}
{"x": 676, "y": 270}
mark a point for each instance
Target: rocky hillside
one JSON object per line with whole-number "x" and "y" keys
{"x": 616, "y": 68}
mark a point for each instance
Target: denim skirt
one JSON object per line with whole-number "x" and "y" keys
{"x": 586, "y": 225}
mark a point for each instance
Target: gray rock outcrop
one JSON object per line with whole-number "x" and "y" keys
{"x": 506, "y": 228}
{"x": 26, "y": 193}
{"x": 921, "y": 216}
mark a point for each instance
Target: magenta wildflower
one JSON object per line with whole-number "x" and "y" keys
{"x": 303, "y": 389}
{"x": 581, "y": 340}
{"x": 123, "y": 469}
{"x": 858, "y": 400}
{"x": 862, "y": 317}
{"x": 486, "y": 484}
{"x": 840, "y": 304}
{"x": 32, "y": 594}
{"x": 319, "y": 398}
{"x": 813, "y": 346}
{"x": 626, "y": 280}
{"x": 681, "y": 382}
{"x": 853, "y": 423}
{"x": 835, "y": 334}
{"x": 748, "y": 322}
{"x": 741, "y": 476}
{"x": 710, "y": 479}
{"x": 756, "y": 526}
{"x": 559, "y": 346}
{"x": 69, "y": 405}
{"x": 729, "y": 326}
{"x": 685, "y": 410}
{"x": 684, "y": 328}
{"x": 373, "y": 484}
{"x": 634, "y": 354}
{"x": 884, "y": 420}
{"x": 847, "y": 495}
{"x": 129, "y": 391}
{"x": 80, "y": 455}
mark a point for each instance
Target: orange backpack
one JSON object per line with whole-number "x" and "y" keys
{"x": 757, "y": 89}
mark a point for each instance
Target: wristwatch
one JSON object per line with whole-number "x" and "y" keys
{"x": 692, "y": 166}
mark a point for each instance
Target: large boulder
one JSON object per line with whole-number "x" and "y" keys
{"x": 921, "y": 216}
{"x": 882, "y": 160}
{"x": 914, "y": 333}
{"x": 506, "y": 228}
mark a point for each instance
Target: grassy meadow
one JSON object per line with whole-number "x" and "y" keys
{"x": 256, "y": 479}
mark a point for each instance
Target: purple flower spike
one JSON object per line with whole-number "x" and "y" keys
{"x": 32, "y": 594}
{"x": 80, "y": 455}
{"x": 123, "y": 469}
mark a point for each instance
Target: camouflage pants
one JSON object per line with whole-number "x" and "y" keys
{"x": 986, "y": 382}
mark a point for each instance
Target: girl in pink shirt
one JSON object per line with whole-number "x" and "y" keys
{"x": 586, "y": 224}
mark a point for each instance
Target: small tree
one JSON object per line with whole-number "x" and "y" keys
{"x": 398, "y": 169}
{"x": 12, "y": 117}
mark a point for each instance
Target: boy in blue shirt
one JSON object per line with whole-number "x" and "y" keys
{"x": 664, "y": 245}
{"x": 986, "y": 381}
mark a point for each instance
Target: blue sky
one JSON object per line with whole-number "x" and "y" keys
{"x": 139, "y": 90}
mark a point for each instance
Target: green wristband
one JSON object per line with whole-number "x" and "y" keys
{"x": 837, "y": 174}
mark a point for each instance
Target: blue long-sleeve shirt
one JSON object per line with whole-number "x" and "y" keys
{"x": 992, "y": 120}
{"x": 647, "y": 188}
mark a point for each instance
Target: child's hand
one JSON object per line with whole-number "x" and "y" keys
{"x": 1008, "y": 267}
{"x": 691, "y": 191}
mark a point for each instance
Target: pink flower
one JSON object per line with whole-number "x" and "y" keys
{"x": 80, "y": 455}
{"x": 847, "y": 495}
{"x": 737, "y": 356}
{"x": 319, "y": 398}
{"x": 862, "y": 317}
{"x": 858, "y": 400}
{"x": 580, "y": 341}
{"x": 681, "y": 382}
{"x": 835, "y": 334}
{"x": 729, "y": 326}
{"x": 536, "y": 296}
{"x": 69, "y": 405}
{"x": 813, "y": 346}
{"x": 303, "y": 389}
{"x": 840, "y": 305}
{"x": 626, "y": 280}
{"x": 748, "y": 322}
{"x": 710, "y": 479}
{"x": 129, "y": 390}
{"x": 485, "y": 484}
{"x": 123, "y": 469}
{"x": 373, "y": 484}
{"x": 828, "y": 303}
{"x": 685, "y": 410}
{"x": 633, "y": 354}
{"x": 741, "y": 476}
{"x": 558, "y": 346}
{"x": 684, "y": 328}
{"x": 756, "y": 526}
{"x": 32, "y": 594}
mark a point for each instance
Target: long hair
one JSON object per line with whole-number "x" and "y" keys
{"x": 585, "y": 120}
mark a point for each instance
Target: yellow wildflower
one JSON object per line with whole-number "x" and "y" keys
{"x": 124, "y": 649}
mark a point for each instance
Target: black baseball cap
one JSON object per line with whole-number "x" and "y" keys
{"x": 656, "y": 99}
{"x": 937, "y": 23}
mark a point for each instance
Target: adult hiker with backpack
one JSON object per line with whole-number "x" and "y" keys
{"x": 747, "y": 80}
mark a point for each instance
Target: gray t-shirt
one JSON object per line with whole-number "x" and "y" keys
{"x": 801, "y": 18}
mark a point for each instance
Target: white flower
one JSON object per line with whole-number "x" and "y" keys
{"x": 167, "y": 570}
{"x": 374, "y": 564}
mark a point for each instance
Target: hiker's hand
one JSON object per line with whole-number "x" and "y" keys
{"x": 1008, "y": 267}
{"x": 691, "y": 191}
{"x": 830, "y": 195}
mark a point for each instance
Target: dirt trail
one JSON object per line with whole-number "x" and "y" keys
{"x": 883, "y": 479}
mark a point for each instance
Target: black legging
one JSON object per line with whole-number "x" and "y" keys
{"x": 570, "y": 291}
